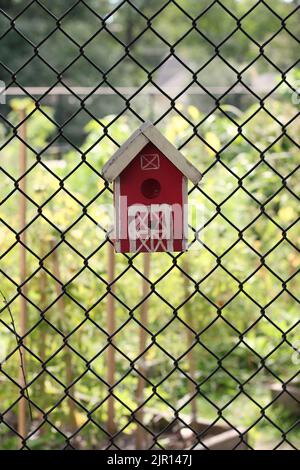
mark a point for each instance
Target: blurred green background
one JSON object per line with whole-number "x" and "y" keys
{"x": 241, "y": 287}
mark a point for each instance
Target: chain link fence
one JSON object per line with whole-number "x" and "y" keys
{"x": 197, "y": 350}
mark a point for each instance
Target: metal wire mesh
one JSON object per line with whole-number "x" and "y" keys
{"x": 47, "y": 268}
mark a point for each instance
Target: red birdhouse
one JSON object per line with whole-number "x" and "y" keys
{"x": 150, "y": 193}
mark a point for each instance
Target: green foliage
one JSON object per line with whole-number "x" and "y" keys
{"x": 235, "y": 335}
{"x": 239, "y": 336}
{"x": 103, "y": 47}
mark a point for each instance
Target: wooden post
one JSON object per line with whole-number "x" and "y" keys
{"x": 72, "y": 425}
{"x": 141, "y": 436}
{"x": 22, "y": 416}
{"x": 111, "y": 327}
{"x": 42, "y": 335}
{"x": 192, "y": 368}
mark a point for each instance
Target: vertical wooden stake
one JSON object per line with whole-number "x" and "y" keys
{"x": 22, "y": 416}
{"x": 42, "y": 335}
{"x": 111, "y": 327}
{"x": 72, "y": 425}
{"x": 141, "y": 436}
{"x": 190, "y": 339}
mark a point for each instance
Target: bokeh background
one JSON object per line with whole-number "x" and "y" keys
{"x": 214, "y": 331}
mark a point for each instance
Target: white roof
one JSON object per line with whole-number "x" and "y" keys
{"x": 141, "y": 137}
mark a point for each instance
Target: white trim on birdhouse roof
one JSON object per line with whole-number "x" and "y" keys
{"x": 141, "y": 137}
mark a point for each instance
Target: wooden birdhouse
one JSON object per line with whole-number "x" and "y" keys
{"x": 150, "y": 193}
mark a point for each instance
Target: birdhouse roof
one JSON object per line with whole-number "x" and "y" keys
{"x": 139, "y": 139}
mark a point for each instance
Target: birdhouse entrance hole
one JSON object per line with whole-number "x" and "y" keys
{"x": 150, "y": 188}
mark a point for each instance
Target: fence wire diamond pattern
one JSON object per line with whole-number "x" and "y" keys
{"x": 42, "y": 385}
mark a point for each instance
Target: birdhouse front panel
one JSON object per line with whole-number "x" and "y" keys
{"x": 150, "y": 204}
